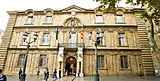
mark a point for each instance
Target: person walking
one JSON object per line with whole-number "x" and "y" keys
{"x": 66, "y": 75}
{"x": 38, "y": 71}
{"x": 46, "y": 74}
{"x": 2, "y": 76}
{"x": 55, "y": 74}
{"x": 19, "y": 73}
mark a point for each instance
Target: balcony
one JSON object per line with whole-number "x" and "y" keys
{"x": 71, "y": 45}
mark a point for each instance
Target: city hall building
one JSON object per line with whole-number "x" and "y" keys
{"x": 66, "y": 42}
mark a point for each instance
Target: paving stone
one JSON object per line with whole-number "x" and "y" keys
{"x": 90, "y": 78}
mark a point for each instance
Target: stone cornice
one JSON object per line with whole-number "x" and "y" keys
{"x": 86, "y": 48}
{"x": 85, "y": 25}
{"x": 81, "y": 10}
{"x": 114, "y": 48}
{"x": 12, "y": 12}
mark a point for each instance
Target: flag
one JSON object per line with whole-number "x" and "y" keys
{"x": 69, "y": 35}
{"x": 70, "y": 32}
{"x": 57, "y": 33}
{"x": 82, "y": 35}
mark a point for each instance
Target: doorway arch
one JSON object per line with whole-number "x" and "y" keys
{"x": 71, "y": 65}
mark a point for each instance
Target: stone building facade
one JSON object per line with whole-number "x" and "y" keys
{"x": 1, "y": 34}
{"x": 66, "y": 39}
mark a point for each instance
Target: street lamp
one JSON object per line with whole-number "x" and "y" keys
{"x": 96, "y": 77}
{"x": 25, "y": 35}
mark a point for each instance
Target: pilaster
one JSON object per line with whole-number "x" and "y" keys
{"x": 6, "y": 39}
{"x": 60, "y": 62}
{"x": 80, "y": 62}
{"x": 147, "y": 62}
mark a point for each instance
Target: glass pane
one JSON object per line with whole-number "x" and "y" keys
{"x": 122, "y": 39}
{"x": 49, "y": 19}
{"x": 29, "y": 20}
{"x": 119, "y": 18}
{"x": 45, "y": 39}
{"x": 99, "y": 18}
{"x": 121, "y": 59}
{"x": 42, "y": 60}
{"x": 21, "y": 60}
{"x": 124, "y": 61}
{"x": 73, "y": 38}
{"x": 100, "y": 61}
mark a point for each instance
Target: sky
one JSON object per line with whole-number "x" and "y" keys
{"x": 12, "y": 5}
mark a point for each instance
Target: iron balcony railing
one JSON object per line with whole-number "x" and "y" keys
{"x": 71, "y": 45}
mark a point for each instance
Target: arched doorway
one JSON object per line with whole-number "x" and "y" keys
{"x": 71, "y": 64}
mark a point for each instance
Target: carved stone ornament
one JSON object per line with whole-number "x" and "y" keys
{"x": 121, "y": 30}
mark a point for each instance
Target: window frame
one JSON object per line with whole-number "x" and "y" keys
{"x": 31, "y": 21}
{"x": 123, "y": 64}
{"x": 119, "y": 21}
{"x": 100, "y": 61}
{"x": 73, "y": 38}
{"x": 99, "y": 19}
{"x": 21, "y": 60}
{"x": 120, "y": 38}
{"x": 90, "y": 35}
{"x": 43, "y": 39}
{"x": 101, "y": 39}
{"x": 42, "y": 64}
{"x": 47, "y": 21}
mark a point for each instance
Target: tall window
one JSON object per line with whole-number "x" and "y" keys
{"x": 122, "y": 39}
{"x": 90, "y": 36}
{"x": 24, "y": 41}
{"x": 45, "y": 39}
{"x": 21, "y": 60}
{"x": 120, "y": 19}
{"x": 124, "y": 61}
{"x": 100, "y": 38}
{"x": 30, "y": 20}
{"x": 42, "y": 60}
{"x": 73, "y": 38}
{"x": 100, "y": 61}
{"x": 99, "y": 19}
{"x": 49, "y": 19}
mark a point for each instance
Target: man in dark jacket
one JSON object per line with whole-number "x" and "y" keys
{"x": 46, "y": 74}
{"x": 20, "y": 72}
{"x": 2, "y": 76}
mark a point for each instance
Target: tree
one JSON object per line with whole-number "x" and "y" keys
{"x": 151, "y": 14}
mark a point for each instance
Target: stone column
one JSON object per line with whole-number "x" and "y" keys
{"x": 80, "y": 62}
{"x": 60, "y": 62}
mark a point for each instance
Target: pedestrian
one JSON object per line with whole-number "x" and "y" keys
{"x": 156, "y": 72}
{"x": 66, "y": 75}
{"x": 46, "y": 74}
{"x": 55, "y": 74}
{"x": 38, "y": 71}
{"x": 20, "y": 73}
{"x": 2, "y": 76}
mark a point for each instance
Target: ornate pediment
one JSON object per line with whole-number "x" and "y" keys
{"x": 73, "y": 8}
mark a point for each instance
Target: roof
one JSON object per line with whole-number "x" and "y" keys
{"x": 69, "y": 9}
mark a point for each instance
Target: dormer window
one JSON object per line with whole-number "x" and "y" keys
{"x": 99, "y": 19}
{"x": 49, "y": 19}
{"x": 120, "y": 19}
{"x": 30, "y": 20}
{"x": 30, "y": 14}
